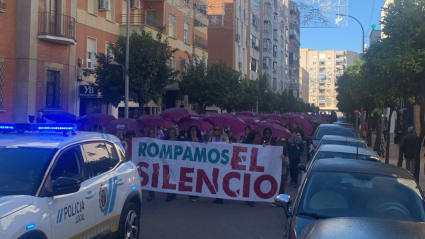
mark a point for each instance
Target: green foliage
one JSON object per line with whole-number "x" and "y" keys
{"x": 148, "y": 71}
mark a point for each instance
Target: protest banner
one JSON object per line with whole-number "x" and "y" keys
{"x": 219, "y": 170}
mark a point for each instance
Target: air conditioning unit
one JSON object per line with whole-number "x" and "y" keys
{"x": 238, "y": 37}
{"x": 240, "y": 65}
{"x": 104, "y": 5}
{"x": 135, "y": 4}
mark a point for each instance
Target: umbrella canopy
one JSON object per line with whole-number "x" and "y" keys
{"x": 186, "y": 123}
{"x": 60, "y": 117}
{"x": 274, "y": 121}
{"x": 277, "y": 130}
{"x": 275, "y": 117}
{"x": 251, "y": 120}
{"x": 178, "y": 113}
{"x": 246, "y": 113}
{"x": 123, "y": 124}
{"x": 304, "y": 123}
{"x": 288, "y": 116}
{"x": 88, "y": 121}
{"x": 150, "y": 121}
{"x": 229, "y": 120}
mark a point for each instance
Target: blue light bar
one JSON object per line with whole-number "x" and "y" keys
{"x": 56, "y": 128}
{"x": 30, "y": 226}
{"x": 7, "y": 127}
{"x": 27, "y": 127}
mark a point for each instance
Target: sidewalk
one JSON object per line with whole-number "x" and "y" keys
{"x": 393, "y": 152}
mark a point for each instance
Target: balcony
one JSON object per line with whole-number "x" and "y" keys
{"x": 142, "y": 20}
{"x": 295, "y": 39}
{"x": 200, "y": 42}
{"x": 2, "y": 7}
{"x": 56, "y": 28}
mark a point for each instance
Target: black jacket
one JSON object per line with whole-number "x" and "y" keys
{"x": 408, "y": 145}
{"x": 295, "y": 149}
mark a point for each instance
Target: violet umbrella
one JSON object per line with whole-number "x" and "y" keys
{"x": 228, "y": 120}
{"x": 150, "y": 121}
{"x": 275, "y": 117}
{"x": 246, "y": 113}
{"x": 178, "y": 113}
{"x": 273, "y": 121}
{"x": 248, "y": 119}
{"x": 123, "y": 124}
{"x": 186, "y": 123}
{"x": 88, "y": 121}
{"x": 304, "y": 123}
{"x": 277, "y": 130}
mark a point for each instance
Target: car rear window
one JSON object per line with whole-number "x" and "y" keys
{"x": 334, "y": 131}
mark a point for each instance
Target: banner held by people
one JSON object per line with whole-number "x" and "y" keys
{"x": 217, "y": 170}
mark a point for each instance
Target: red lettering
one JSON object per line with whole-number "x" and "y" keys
{"x": 185, "y": 179}
{"x": 166, "y": 178}
{"x": 236, "y": 159}
{"x": 201, "y": 178}
{"x": 155, "y": 175}
{"x": 246, "y": 184}
{"x": 143, "y": 175}
{"x": 226, "y": 183}
{"x": 253, "y": 167}
{"x": 273, "y": 188}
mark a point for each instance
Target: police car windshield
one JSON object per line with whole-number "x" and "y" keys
{"x": 22, "y": 169}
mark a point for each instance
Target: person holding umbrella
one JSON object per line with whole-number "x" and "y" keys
{"x": 295, "y": 149}
{"x": 151, "y": 134}
{"x": 252, "y": 138}
{"x": 247, "y": 130}
{"x": 267, "y": 137}
{"x": 171, "y": 136}
{"x": 194, "y": 135}
{"x": 232, "y": 138}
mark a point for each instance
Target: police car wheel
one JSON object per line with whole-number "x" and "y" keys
{"x": 129, "y": 222}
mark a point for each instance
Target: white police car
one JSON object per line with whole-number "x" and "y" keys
{"x": 66, "y": 184}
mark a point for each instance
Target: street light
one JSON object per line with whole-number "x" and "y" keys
{"x": 124, "y": 77}
{"x": 360, "y": 26}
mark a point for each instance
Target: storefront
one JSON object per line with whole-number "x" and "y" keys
{"x": 90, "y": 100}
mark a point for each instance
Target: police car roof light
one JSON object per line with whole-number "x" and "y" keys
{"x": 7, "y": 127}
{"x": 22, "y": 127}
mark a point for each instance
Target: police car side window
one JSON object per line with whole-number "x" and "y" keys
{"x": 69, "y": 164}
{"x": 97, "y": 158}
{"x": 113, "y": 155}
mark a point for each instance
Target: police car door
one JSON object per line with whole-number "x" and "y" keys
{"x": 71, "y": 213}
{"x": 99, "y": 167}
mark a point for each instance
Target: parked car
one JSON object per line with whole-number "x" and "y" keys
{"x": 352, "y": 188}
{"x": 330, "y": 129}
{"x": 342, "y": 140}
{"x": 354, "y": 228}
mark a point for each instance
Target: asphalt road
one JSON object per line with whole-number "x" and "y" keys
{"x": 181, "y": 218}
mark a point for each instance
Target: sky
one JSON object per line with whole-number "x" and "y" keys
{"x": 368, "y": 12}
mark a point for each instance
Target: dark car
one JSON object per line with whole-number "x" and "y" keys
{"x": 354, "y": 228}
{"x": 330, "y": 129}
{"x": 352, "y": 188}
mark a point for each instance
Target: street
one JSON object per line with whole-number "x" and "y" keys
{"x": 181, "y": 218}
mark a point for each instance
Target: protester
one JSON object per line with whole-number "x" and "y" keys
{"x": 160, "y": 132}
{"x": 267, "y": 137}
{"x": 398, "y": 132}
{"x": 232, "y": 138}
{"x": 182, "y": 135}
{"x": 407, "y": 147}
{"x": 247, "y": 130}
{"x": 384, "y": 125}
{"x": 194, "y": 135}
{"x": 218, "y": 135}
{"x": 287, "y": 126}
{"x": 297, "y": 127}
{"x": 295, "y": 149}
{"x": 151, "y": 134}
{"x": 171, "y": 136}
{"x": 333, "y": 117}
{"x": 252, "y": 138}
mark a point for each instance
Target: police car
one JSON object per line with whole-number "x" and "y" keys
{"x": 58, "y": 183}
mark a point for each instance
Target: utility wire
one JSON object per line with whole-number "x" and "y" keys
{"x": 371, "y": 15}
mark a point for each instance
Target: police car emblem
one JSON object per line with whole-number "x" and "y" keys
{"x": 103, "y": 198}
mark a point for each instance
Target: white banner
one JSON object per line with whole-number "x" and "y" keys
{"x": 219, "y": 170}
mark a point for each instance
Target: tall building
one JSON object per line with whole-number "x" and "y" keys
{"x": 293, "y": 86}
{"x": 43, "y": 67}
{"x": 375, "y": 35}
{"x": 324, "y": 67}
{"x": 304, "y": 82}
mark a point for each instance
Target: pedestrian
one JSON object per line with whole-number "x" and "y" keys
{"x": 288, "y": 127}
{"x": 232, "y": 138}
{"x": 384, "y": 128}
{"x": 218, "y": 135}
{"x": 333, "y": 117}
{"x": 398, "y": 131}
{"x": 247, "y": 130}
{"x": 151, "y": 134}
{"x": 40, "y": 117}
{"x": 252, "y": 138}
{"x": 297, "y": 127}
{"x": 171, "y": 136}
{"x": 407, "y": 147}
{"x": 295, "y": 149}
{"x": 194, "y": 135}
{"x": 267, "y": 138}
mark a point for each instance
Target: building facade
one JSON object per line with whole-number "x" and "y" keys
{"x": 43, "y": 67}
{"x": 324, "y": 67}
{"x": 304, "y": 82}
{"x": 293, "y": 86}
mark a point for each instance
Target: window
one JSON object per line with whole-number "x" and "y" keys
{"x": 322, "y": 63}
{"x": 53, "y": 89}
{"x": 91, "y": 52}
{"x": 69, "y": 164}
{"x": 274, "y": 83}
{"x": 322, "y": 56}
{"x": 92, "y": 6}
{"x": 108, "y": 51}
{"x": 253, "y": 64}
{"x": 98, "y": 159}
{"x": 151, "y": 18}
{"x": 172, "y": 26}
{"x": 172, "y": 63}
{"x": 314, "y": 63}
{"x": 112, "y": 155}
{"x": 186, "y": 33}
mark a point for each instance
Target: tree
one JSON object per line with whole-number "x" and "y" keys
{"x": 148, "y": 71}
{"x": 229, "y": 86}
{"x": 249, "y": 96}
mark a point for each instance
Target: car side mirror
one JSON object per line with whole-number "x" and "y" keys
{"x": 302, "y": 166}
{"x": 284, "y": 200}
{"x": 65, "y": 185}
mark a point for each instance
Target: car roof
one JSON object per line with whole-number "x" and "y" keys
{"x": 344, "y": 228}
{"x": 341, "y": 138}
{"x": 360, "y": 166}
{"x": 51, "y": 139}
{"x": 331, "y": 126}
{"x": 346, "y": 149}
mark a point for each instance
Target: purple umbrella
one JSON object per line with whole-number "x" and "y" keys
{"x": 186, "y": 123}
{"x": 178, "y": 113}
{"x": 123, "y": 124}
{"x": 275, "y": 117}
{"x": 88, "y": 121}
{"x": 251, "y": 120}
{"x": 277, "y": 130}
{"x": 229, "y": 120}
{"x": 246, "y": 113}
{"x": 150, "y": 121}
{"x": 304, "y": 123}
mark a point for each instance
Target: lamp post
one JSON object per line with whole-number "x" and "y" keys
{"x": 124, "y": 77}
{"x": 127, "y": 59}
{"x": 360, "y": 26}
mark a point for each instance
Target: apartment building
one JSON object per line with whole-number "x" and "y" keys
{"x": 43, "y": 67}
{"x": 304, "y": 82}
{"x": 324, "y": 67}
{"x": 293, "y": 86}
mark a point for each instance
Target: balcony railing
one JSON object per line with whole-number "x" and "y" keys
{"x": 295, "y": 38}
{"x": 56, "y": 28}
{"x": 200, "y": 42}
{"x": 140, "y": 19}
